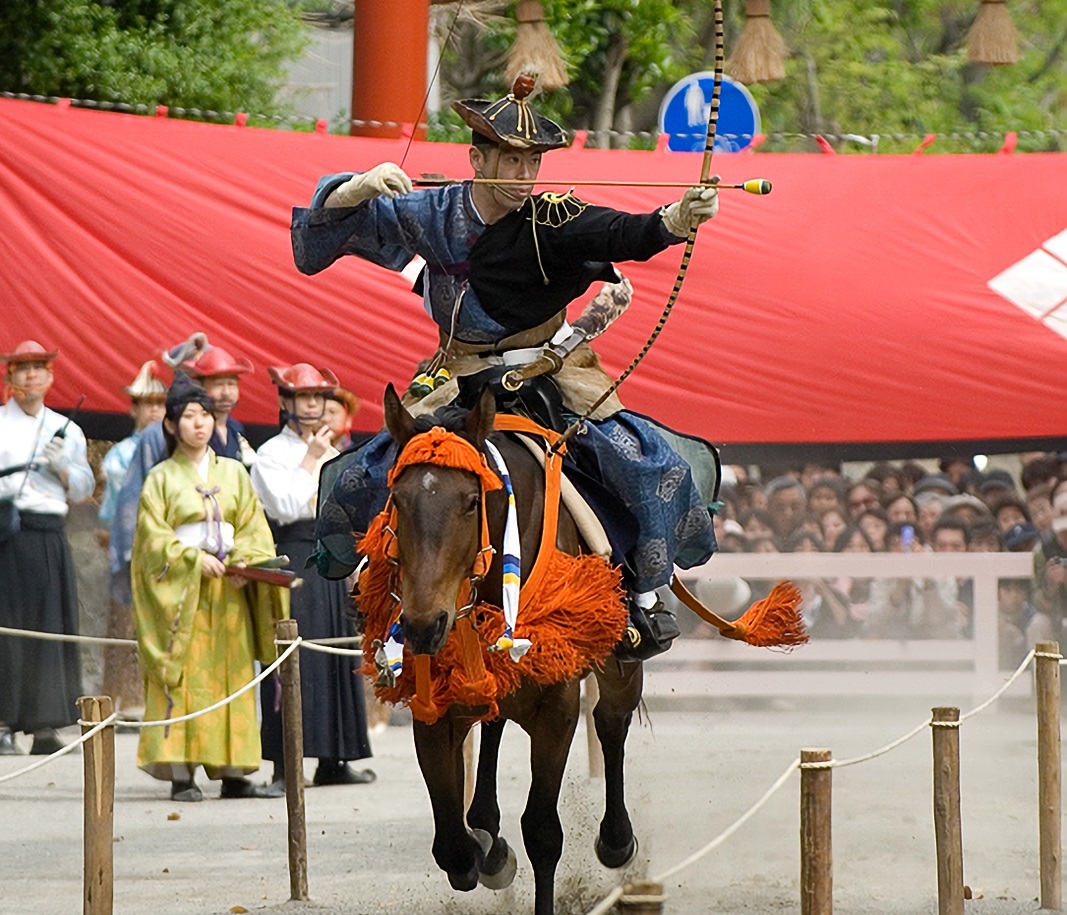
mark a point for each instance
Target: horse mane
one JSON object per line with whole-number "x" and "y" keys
{"x": 450, "y": 417}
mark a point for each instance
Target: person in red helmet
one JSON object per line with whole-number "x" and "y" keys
{"x": 220, "y": 375}
{"x": 286, "y": 479}
{"x": 43, "y": 469}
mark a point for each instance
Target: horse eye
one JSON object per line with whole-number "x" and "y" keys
{"x": 472, "y": 504}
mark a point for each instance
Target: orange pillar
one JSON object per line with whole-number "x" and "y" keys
{"x": 389, "y": 64}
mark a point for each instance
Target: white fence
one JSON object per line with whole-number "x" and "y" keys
{"x": 717, "y": 667}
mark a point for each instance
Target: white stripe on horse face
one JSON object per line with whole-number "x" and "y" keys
{"x": 429, "y": 481}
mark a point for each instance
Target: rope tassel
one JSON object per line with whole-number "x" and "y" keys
{"x": 760, "y": 53}
{"x": 535, "y": 50}
{"x": 775, "y": 620}
{"x": 993, "y": 38}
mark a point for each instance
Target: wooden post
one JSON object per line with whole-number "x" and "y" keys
{"x": 596, "y": 754}
{"x": 1049, "y": 788}
{"x": 948, "y": 832}
{"x": 816, "y": 848}
{"x": 293, "y": 748}
{"x": 99, "y": 807}
{"x": 642, "y": 897}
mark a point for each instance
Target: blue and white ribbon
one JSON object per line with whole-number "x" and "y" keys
{"x": 512, "y": 559}
{"x": 389, "y": 658}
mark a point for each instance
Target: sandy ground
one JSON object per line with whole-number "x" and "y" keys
{"x": 690, "y": 773}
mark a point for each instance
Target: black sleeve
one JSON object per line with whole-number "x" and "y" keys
{"x": 603, "y": 234}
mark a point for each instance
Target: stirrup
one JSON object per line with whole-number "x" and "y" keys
{"x": 649, "y": 633}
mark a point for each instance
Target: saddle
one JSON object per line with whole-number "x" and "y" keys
{"x": 539, "y": 400}
{"x": 650, "y": 631}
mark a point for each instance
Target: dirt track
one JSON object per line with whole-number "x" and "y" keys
{"x": 690, "y": 775}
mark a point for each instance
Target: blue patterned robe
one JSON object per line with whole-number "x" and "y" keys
{"x": 493, "y": 282}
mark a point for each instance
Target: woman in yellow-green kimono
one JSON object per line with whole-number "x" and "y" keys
{"x": 198, "y": 630}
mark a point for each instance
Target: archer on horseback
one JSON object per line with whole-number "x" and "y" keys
{"x": 502, "y": 265}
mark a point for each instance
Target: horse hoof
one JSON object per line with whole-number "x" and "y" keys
{"x": 505, "y": 874}
{"x": 483, "y": 839}
{"x": 616, "y": 857}
{"x": 464, "y": 882}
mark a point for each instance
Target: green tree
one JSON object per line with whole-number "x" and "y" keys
{"x": 223, "y": 55}
{"x": 893, "y": 68}
{"x": 898, "y": 69}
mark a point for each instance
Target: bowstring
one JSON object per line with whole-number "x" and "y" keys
{"x": 432, "y": 82}
{"x": 690, "y": 242}
{"x": 441, "y": 354}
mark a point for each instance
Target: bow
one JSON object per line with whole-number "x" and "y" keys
{"x": 705, "y": 174}
{"x": 690, "y": 242}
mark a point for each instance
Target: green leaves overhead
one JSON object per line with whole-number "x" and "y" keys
{"x": 225, "y": 55}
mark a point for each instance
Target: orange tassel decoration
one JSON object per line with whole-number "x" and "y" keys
{"x": 445, "y": 449}
{"x": 574, "y": 620}
{"x": 775, "y": 620}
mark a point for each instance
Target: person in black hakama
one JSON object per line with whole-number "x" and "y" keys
{"x": 285, "y": 477}
{"x": 43, "y": 455}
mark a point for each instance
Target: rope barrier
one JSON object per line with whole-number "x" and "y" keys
{"x": 326, "y": 646}
{"x": 929, "y": 722}
{"x": 651, "y": 136}
{"x": 314, "y": 644}
{"x": 329, "y": 646}
{"x": 730, "y": 830}
{"x": 1000, "y": 692}
{"x": 606, "y": 904}
{"x": 69, "y": 748}
{"x": 122, "y": 722}
{"x": 255, "y": 681}
{"x": 64, "y": 637}
{"x": 329, "y": 649}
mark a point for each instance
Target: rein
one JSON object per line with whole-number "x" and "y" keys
{"x": 443, "y": 448}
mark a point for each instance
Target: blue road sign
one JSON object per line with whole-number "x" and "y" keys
{"x": 684, "y": 114}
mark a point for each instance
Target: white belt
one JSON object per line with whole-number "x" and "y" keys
{"x": 204, "y": 536}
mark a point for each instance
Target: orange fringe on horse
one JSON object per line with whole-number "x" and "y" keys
{"x": 573, "y": 620}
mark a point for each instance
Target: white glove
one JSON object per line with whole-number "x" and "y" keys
{"x": 55, "y": 456}
{"x": 698, "y": 205}
{"x": 387, "y": 179}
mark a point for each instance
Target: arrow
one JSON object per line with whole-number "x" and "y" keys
{"x": 759, "y": 186}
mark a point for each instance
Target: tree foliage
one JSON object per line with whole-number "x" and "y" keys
{"x": 896, "y": 69}
{"x": 224, "y": 55}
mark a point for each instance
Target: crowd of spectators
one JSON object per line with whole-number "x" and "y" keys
{"x": 907, "y": 508}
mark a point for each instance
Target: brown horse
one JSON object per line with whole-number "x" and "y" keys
{"x": 438, "y": 530}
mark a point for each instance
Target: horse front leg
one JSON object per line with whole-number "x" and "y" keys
{"x": 483, "y": 815}
{"x": 620, "y": 692}
{"x": 439, "y": 749}
{"x": 551, "y": 729}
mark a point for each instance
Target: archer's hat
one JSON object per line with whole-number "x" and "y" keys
{"x": 145, "y": 384}
{"x": 511, "y": 121}
{"x": 214, "y": 362}
{"x": 292, "y": 379}
{"x": 29, "y": 351}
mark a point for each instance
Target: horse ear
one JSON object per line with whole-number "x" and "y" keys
{"x": 397, "y": 419}
{"x": 480, "y": 419}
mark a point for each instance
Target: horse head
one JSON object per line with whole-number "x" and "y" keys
{"x": 439, "y": 517}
